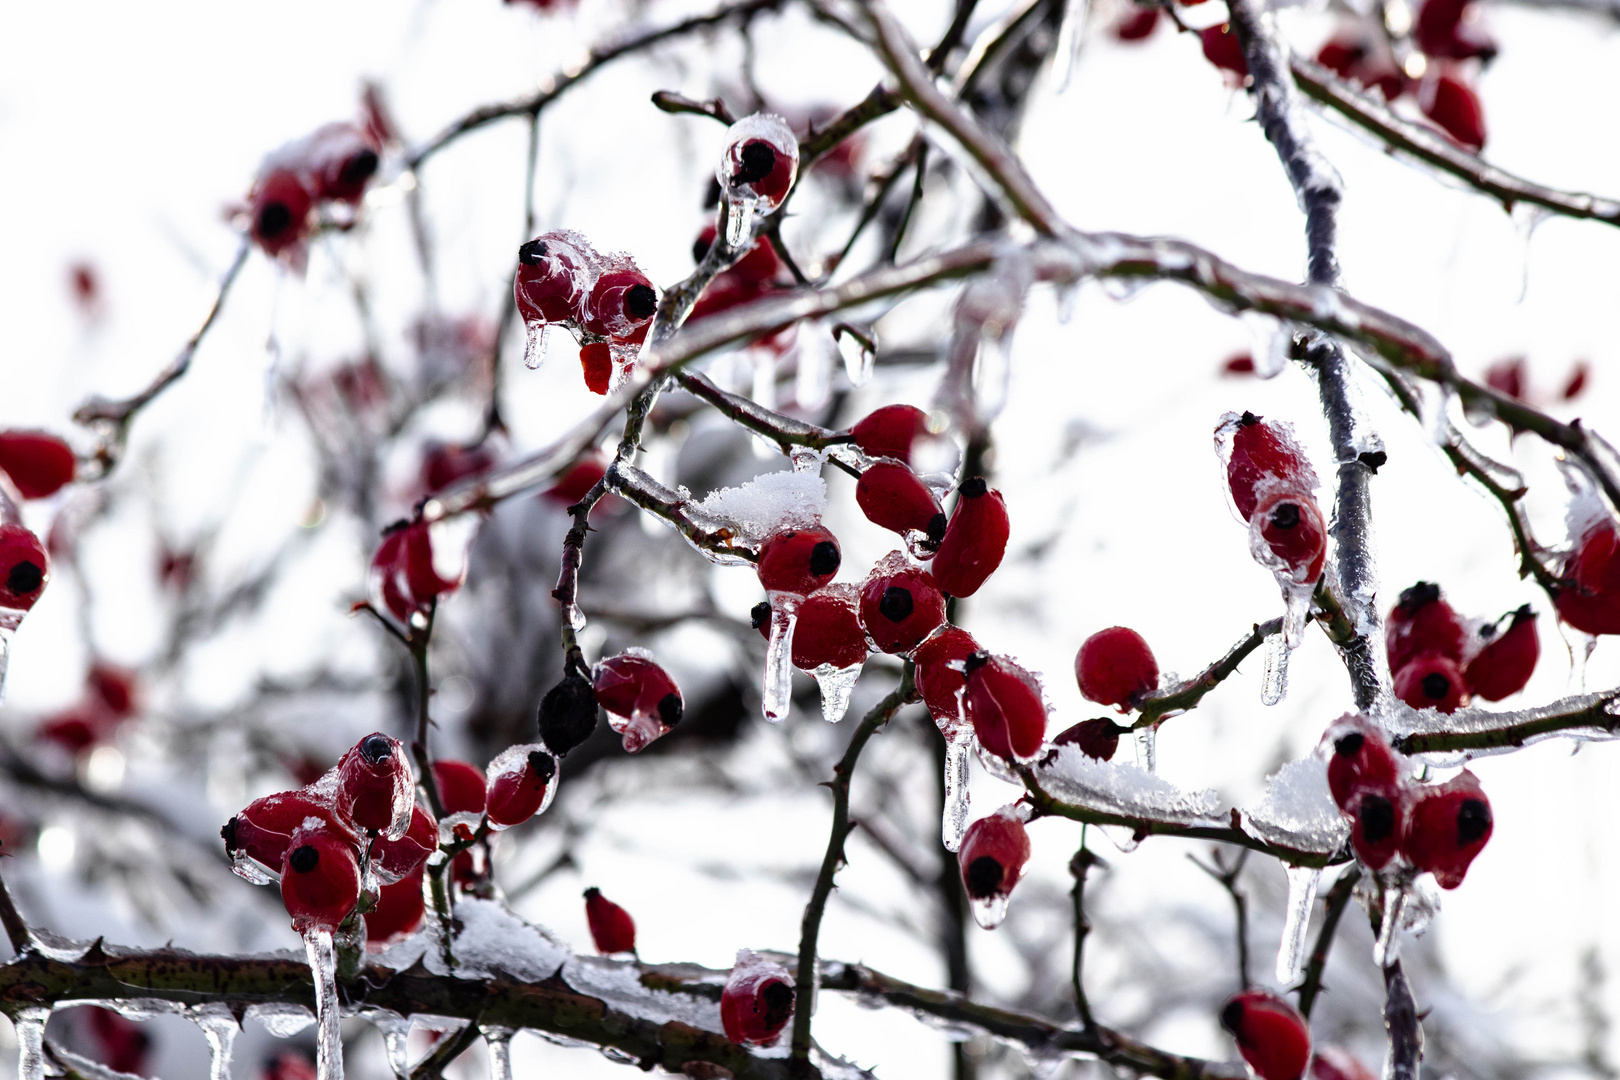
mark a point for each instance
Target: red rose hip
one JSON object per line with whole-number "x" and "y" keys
{"x": 1505, "y": 664}
{"x": 399, "y": 910}
{"x": 461, "y": 787}
{"x": 1115, "y": 666}
{"x": 891, "y": 496}
{"x": 612, "y": 928}
{"x": 1003, "y": 703}
{"x": 1288, "y": 536}
{"x": 936, "y": 680}
{"x": 900, "y": 604}
{"x": 24, "y": 572}
{"x": 375, "y": 785}
{"x": 757, "y": 1001}
{"x": 797, "y": 562}
{"x": 394, "y": 860}
{"x": 890, "y": 431}
{"x": 1358, "y": 756}
{"x": 1261, "y": 457}
{"x": 1448, "y": 825}
{"x": 320, "y": 879}
{"x": 38, "y": 463}
{"x": 1422, "y": 622}
{"x": 522, "y": 780}
{"x": 992, "y": 857}
{"x": 263, "y": 829}
{"x": 1096, "y": 738}
{"x": 1271, "y": 1034}
{"x": 974, "y": 541}
{"x": 1432, "y": 682}
{"x": 641, "y": 699}
{"x": 1377, "y": 817}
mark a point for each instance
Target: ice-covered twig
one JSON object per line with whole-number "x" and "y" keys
{"x": 1334, "y": 903}
{"x": 810, "y": 929}
{"x": 563, "y": 81}
{"x": 784, "y": 431}
{"x": 1227, "y": 876}
{"x": 439, "y": 1058}
{"x": 1189, "y": 692}
{"x": 1403, "y": 1025}
{"x": 112, "y": 417}
{"x": 1472, "y": 731}
{"x": 642, "y": 490}
{"x": 17, "y": 931}
{"x": 1608, "y": 8}
{"x": 678, "y": 104}
{"x": 1435, "y": 150}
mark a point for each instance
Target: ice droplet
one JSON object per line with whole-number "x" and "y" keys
{"x": 250, "y": 871}
{"x": 498, "y": 1040}
{"x": 1302, "y": 882}
{"x": 807, "y": 459}
{"x": 858, "y": 359}
{"x": 989, "y": 911}
{"x": 778, "y": 696}
{"x": 836, "y": 685}
{"x": 30, "y": 1024}
{"x": 220, "y": 1028}
{"x": 395, "y": 1031}
{"x": 536, "y": 336}
{"x": 739, "y": 217}
{"x": 328, "y": 1021}
{"x": 1274, "y": 684}
{"x": 1386, "y": 950}
{"x": 1121, "y": 836}
{"x": 1147, "y": 747}
{"x": 574, "y": 616}
{"x": 956, "y": 792}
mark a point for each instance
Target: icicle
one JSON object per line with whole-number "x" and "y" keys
{"x": 328, "y": 1020}
{"x": 395, "y": 1031}
{"x": 1302, "y": 882}
{"x": 536, "y": 336}
{"x": 1296, "y": 612}
{"x": 992, "y": 374}
{"x": 248, "y": 870}
{"x": 1121, "y": 836}
{"x": 498, "y": 1040}
{"x": 1386, "y": 950}
{"x": 1070, "y": 36}
{"x": 1147, "y": 747}
{"x": 739, "y": 216}
{"x": 30, "y": 1024}
{"x": 1274, "y": 684}
{"x": 779, "y": 657}
{"x": 220, "y": 1029}
{"x": 836, "y": 685}
{"x": 989, "y": 911}
{"x": 858, "y": 359}
{"x": 956, "y": 792}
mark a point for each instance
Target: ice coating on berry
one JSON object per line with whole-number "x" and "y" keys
{"x": 1288, "y": 536}
{"x": 375, "y": 786}
{"x": 1357, "y": 755}
{"x": 405, "y": 578}
{"x": 829, "y": 630}
{"x": 622, "y": 300}
{"x": 1432, "y": 681}
{"x": 38, "y": 463}
{"x": 974, "y": 541}
{"x": 892, "y": 497}
{"x": 398, "y": 911}
{"x": 937, "y": 680}
{"x": 612, "y": 928}
{"x": 757, "y": 1001}
{"x": 992, "y": 858}
{"x": 392, "y": 860}
{"x": 1115, "y": 666}
{"x": 761, "y": 160}
{"x": 1096, "y": 738}
{"x": 890, "y": 431}
{"x": 461, "y": 787}
{"x": 901, "y": 604}
{"x": 341, "y": 161}
{"x": 1422, "y": 622}
{"x": 320, "y": 879}
{"x": 262, "y": 830}
{"x": 1504, "y": 665}
{"x": 640, "y": 698}
{"x": 521, "y": 782}
{"x": 1260, "y": 456}
{"x": 797, "y": 562}
{"x": 1271, "y": 1034}
{"x": 1004, "y": 704}
{"x": 769, "y": 503}
{"x": 567, "y": 714}
{"x": 1376, "y": 817}
{"x": 1446, "y": 827}
{"x": 555, "y": 273}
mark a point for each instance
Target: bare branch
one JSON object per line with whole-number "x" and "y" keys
{"x": 1189, "y": 692}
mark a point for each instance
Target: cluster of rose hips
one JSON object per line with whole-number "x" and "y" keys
{"x": 641, "y": 700}
{"x": 110, "y": 698}
{"x": 1272, "y": 487}
{"x": 359, "y": 832}
{"x": 330, "y": 166}
{"x": 1438, "y": 661}
{"x": 604, "y": 300}
{"x": 1399, "y": 827}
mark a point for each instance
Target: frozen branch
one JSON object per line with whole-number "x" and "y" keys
{"x": 700, "y": 531}
{"x": 16, "y": 929}
{"x": 784, "y": 431}
{"x": 1404, "y": 1026}
{"x": 1477, "y": 731}
{"x": 1188, "y": 693}
{"x": 1079, "y": 867}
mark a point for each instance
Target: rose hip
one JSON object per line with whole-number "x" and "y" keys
{"x": 1003, "y": 703}
{"x": 797, "y": 562}
{"x": 24, "y": 569}
{"x": 1096, "y": 738}
{"x": 1432, "y": 681}
{"x": 399, "y": 910}
{"x": 1422, "y": 622}
{"x": 757, "y": 1001}
{"x": 1271, "y": 1034}
{"x": 1448, "y": 825}
{"x": 890, "y": 431}
{"x": 901, "y": 604}
{"x": 521, "y": 782}
{"x": 641, "y": 699}
{"x": 1115, "y": 666}
{"x": 1505, "y": 664}
{"x": 936, "y": 680}
{"x": 892, "y": 497}
{"x": 39, "y": 464}
{"x": 974, "y": 541}
{"x": 992, "y": 857}
{"x": 375, "y": 785}
{"x": 612, "y": 928}
{"x": 461, "y": 787}
{"x": 320, "y": 879}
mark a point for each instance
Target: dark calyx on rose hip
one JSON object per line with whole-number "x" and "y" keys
{"x": 758, "y": 159}
{"x": 567, "y": 714}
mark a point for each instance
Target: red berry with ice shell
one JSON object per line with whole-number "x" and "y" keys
{"x": 798, "y": 561}
{"x": 1358, "y": 756}
{"x": 280, "y": 208}
{"x": 1432, "y": 681}
{"x": 320, "y": 879}
{"x": 1447, "y": 826}
{"x": 1115, "y": 667}
{"x": 1422, "y": 622}
{"x": 621, "y": 302}
{"x": 992, "y": 858}
{"x": 829, "y": 631}
{"x": 761, "y": 160}
{"x": 1003, "y": 702}
{"x": 38, "y": 463}
{"x": 24, "y": 572}
{"x": 1271, "y": 1034}
{"x": 640, "y": 698}
{"x": 890, "y": 431}
{"x": 893, "y": 497}
{"x": 1261, "y": 456}
{"x": 263, "y": 830}
{"x": 393, "y": 860}
{"x": 461, "y": 787}
{"x": 1288, "y": 536}
{"x": 398, "y": 911}
{"x": 757, "y": 1001}
{"x": 901, "y": 604}
{"x": 555, "y": 273}
{"x": 937, "y": 681}
{"x": 612, "y": 928}
{"x": 1504, "y": 665}
{"x": 521, "y": 781}
{"x": 375, "y": 786}
{"x": 974, "y": 541}
{"x": 1377, "y": 816}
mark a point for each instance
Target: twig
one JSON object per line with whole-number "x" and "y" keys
{"x": 1334, "y": 903}
{"x": 432, "y": 1067}
{"x": 702, "y": 533}
{"x": 1227, "y": 876}
{"x": 17, "y": 932}
{"x": 900, "y": 227}
{"x": 1473, "y": 729}
{"x": 1402, "y": 1024}
{"x": 1189, "y": 692}
{"x": 677, "y": 104}
{"x": 785, "y": 431}
{"x": 1084, "y": 859}
{"x": 810, "y": 930}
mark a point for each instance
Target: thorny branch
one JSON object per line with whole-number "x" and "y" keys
{"x": 1079, "y": 866}
{"x": 1227, "y": 876}
{"x": 1188, "y": 693}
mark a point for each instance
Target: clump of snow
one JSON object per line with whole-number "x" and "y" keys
{"x": 769, "y": 502}
{"x": 494, "y": 941}
{"x": 1125, "y": 790}
{"x": 1297, "y": 810}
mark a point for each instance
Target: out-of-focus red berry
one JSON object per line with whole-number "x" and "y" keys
{"x": 1238, "y": 364}
{"x": 1333, "y": 1063}
{"x": 280, "y": 207}
{"x": 461, "y": 787}
{"x": 1432, "y": 681}
{"x": 1115, "y": 666}
{"x": 1357, "y": 756}
{"x": 1096, "y": 738}
{"x": 992, "y": 857}
{"x": 113, "y": 688}
{"x": 289, "y": 1065}
{"x": 1003, "y": 703}
{"x": 900, "y": 605}
{"x": 1271, "y": 1034}
{"x": 1422, "y": 622}
{"x": 640, "y": 697}
{"x": 1505, "y": 664}
{"x": 519, "y": 785}
{"x": 1507, "y": 377}
{"x": 1577, "y": 381}
{"x": 1447, "y": 826}
{"x": 398, "y": 911}
{"x": 974, "y": 541}
{"x": 121, "y": 1044}
{"x": 757, "y": 1001}
{"x": 1443, "y": 31}
{"x": 320, "y": 879}
{"x": 1290, "y": 525}
{"x": 890, "y": 431}
{"x": 1357, "y": 58}
{"x": 403, "y": 577}
{"x": 936, "y": 680}
{"x": 375, "y": 784}
{"x": 38, "y": 462}
{"x": 24, "y": 569}
{"x": 574, "y": 484}
{"x": 445, "y": 463}
{"x": 612, "y": 928}
{"x": 76, "y": 730}
{"x": 1137, "y": 24}
{"x": 798, "y": 561}
{"x": 892, "y": 497}
{"x": 1455, "y": 109}
{"x": 342, "y": 160}
{"x": 84, "y": 283}
{"x": 1223, "y": 49}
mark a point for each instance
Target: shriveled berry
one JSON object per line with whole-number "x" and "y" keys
{"x": 521, "y": 781}
{"x": 320, "y": 879}
{"x": 935, "y": 679}
{"x": 974, "y": 541}
{"x": 891, "y": 496}
{"x": 1096, "y": 738}
{"x": 398, "y": 910}
{"x": 798, "y": 561}
{"x": 461, "y": 787}
{"x": 612, "y": 928}
{"x": 39, "y": 464}
{"x": 890, "y": 431}
{"x": 24, "y": 569}
{"x": 1432, "y": 681}
{"x": 900, "y": 605}
{"x": 1505, "y": 664}
{"x": 1003, "y": 703}
{"x": 568, "y": 714}
{"x": 1115, "y": 666}
{"x": 375, "y": 785}
{"x": 1447, "y": 826}
{"x": 757, "y": 1001}
{"x": 641, "y": 699}
{"x": 1271, "y": 1034}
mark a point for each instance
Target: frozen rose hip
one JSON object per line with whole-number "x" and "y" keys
{"x": 1223, "y": 49}
{"x": 1591, "y": 602}
{"x": 264, "y": 828}
{"x": 1422, "y": 622}
{"x": 398, "y": 911}
{"x": 798, "y": 561}
{"x": 761, "y": 160}
{"x": 1271, "y": 1034}
{"x": 521, "y": 783}
{"x": 320, "y": 879}
{"x": 1441, "y": 31}
{"x": 612, "y": 928}
{"x": 1333, "y": 1063}
{"x": 891, "y": 496}
{"x": 936, "y": 680}
{"x": 1096, "y": 738}
{"x": 445, "y": 463}
{"x": 890, "y": 431}
{"x": 1432, "y": 681}
{"x": 396, "y": 859}
{"x": 375, "y": 785}
{"x": 621, "y": 302}
{"x": 641, "y": 699}
{"x": 974, "y": 541}
{"x": 900, "y": 604}
{"x": 1287, "y": 534}
{"x": 1455, "y": 109}
{"x": 555, "y": 273}
{"x": 461, "y": 787}
{"x": 1115, "y": 666}
{"x": 567, "y": 714}
{"x": 1003, "y": 703}
{"x": 1137, "y": 24}
{"x": 575, "y": 483}
{"x": 403, "y": 579}
{"x": 39, "y": 463}
{"x": 24, "y": 569}
{"x": 1261, "y": 456}
{"x": 1376, "y": 818}
{"x": 992, "y": 857}
{"x": 829, "y": 631}
{"x": 1357, "y": 756}
{"x": 1446, "y": 827}
{"x": 757, "y": 1001}
{"x": 280, "y": 207}
{"x": 342, "y": 159}
{"x": 1505, "y": 664}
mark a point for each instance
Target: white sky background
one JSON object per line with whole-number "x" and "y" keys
{"x": 126, "y": 129}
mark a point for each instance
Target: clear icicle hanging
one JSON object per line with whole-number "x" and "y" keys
{"x": 1302, "y": 882}
{"x": 30, "y": 1025}
{"x": 1274, "y": 684}
{"x": 328, "y": 1019}
{"x": 739, "y": 217}
{"x": 836, "y": 686}
{"x": 1147, "y": 747}
{"x": 536, "y": 337}
{"x": 954, "y": 824}
{"x": 499, "y": 1042}
{"x": 1386, "y": 950}
{"x": 395, "y": 1030}
{"x": 220, "y": 1029}
{"x": 859, "y": 358}
{"x": 778, "y": 695}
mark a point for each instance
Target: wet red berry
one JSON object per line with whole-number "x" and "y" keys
{"x": 1358, "y": 756}
{"x": 1505, "y": 664}
{"x": 1003, "y": 703}
{"x": 398, "y": 911}
{"x": 890, "y": 431}
{"x": 936, "y": 680}
{"x": 891, "y": 496}
{"x": 555, "y": 273}
{"x": 1432, "y": 681}
{"x": 762, "y": 159}
{"x": 24, "y": 569}
{"x": 1441, "y": 31}
{"x": 320, "y": 879}
{"x": 612, "y": 928}
{"x": 1271, "y": 1034}
{"x": 1261, "y": 457}
{"x": 974, "y": 541}
{"x": 641, "y": 699}
{"x": 521, "y": 781}
{"x": 445, "y": 463}
{"x": 992, "y": 857}
{"x": 621, "y": 302}
{"x": 1288, "y": 533}
{"x": 1222, "y": 48}
{"x": 1137, "y": 24}
{"x": 375, "y": 785}
{"x": 900, "y": 605}
{"x": 397, "y": 859}
{"x": 1422, "y": 622}
{"x": 829, "y": 630}
{"x": 1115, "y": 666}
{"x": 798, "y": 561}
{"x": 1096, "y": 738}
{"x": 280, "y": 207}
{"x": 757, "y": 1001}
{"x": 38, "y": 463}
{"x": 264, "y": 828}
{"x": 1455, "y": 109}
{"x": 1447, "y": 826}
{"x": 461, "y": 787}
